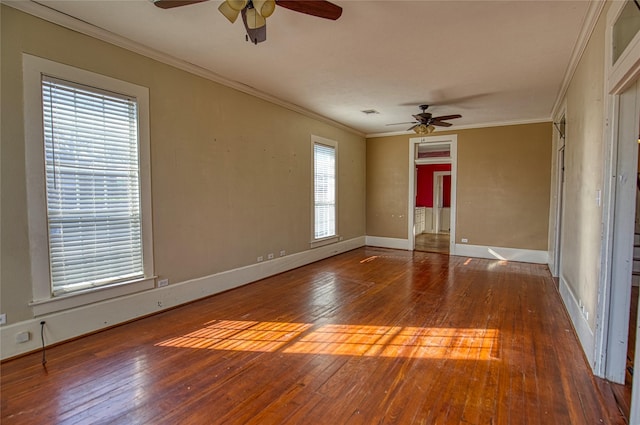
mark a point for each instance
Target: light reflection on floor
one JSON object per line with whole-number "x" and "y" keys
{"x": 342, "y": 339}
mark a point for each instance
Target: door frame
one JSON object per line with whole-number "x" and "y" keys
{"x": 452, "y": 141}
{"x": 621, "y": 119}
{"x": 620, "y": 232}
{"x": 556, "y": 217}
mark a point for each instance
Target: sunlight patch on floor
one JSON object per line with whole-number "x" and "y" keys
{"x": 342, "y": 339}
{"x": 411, "y": 342}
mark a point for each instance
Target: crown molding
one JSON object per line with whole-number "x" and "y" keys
{"x": 587, "y": 28}
{"x": 462, "y": 127}
{"x": 46, "y": 13}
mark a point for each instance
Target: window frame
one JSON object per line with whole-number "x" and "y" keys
{"x": 317, "y": 242}
{"x": 44, "y": 301}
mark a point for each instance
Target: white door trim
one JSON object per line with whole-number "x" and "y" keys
{"x": 557, "y": 200}
{"x": 452, "y": 141}
{"x": 618, "y": 121}
{"x": 623, "y": 229}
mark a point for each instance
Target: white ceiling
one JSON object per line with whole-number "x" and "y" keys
{"x": 490, "y": 61}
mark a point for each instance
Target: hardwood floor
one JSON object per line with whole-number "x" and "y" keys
{"x": 432, "y": 242}
{"x": 372, "y": 336}
{"x": 622, "y": 393}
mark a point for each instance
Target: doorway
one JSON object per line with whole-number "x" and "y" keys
{"x": 432, "y": 212}
{"x": 624, "y": 211}
{"x": 623, "y": 392}
{"x": 432, "y": 177}
{"x": 621, "y": 129}
{"x": 555, "y": 254}
{"x": 621, "y": 342}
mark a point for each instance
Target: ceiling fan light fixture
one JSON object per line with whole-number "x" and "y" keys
{"x": 265, "y": 7}
{"x": 237, "y": 4}
{"x": 230, "y": 13}
{"x": 423, "y": 129}
{"x": 254, "y": 19}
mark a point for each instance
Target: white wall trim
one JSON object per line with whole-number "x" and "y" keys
{"x": 393, "y": 243}
{"x": 580, "y": 323}
{"x": 51, "y": 15}
{"x": 500, "y": 253}
{"x": 68, "y": 324}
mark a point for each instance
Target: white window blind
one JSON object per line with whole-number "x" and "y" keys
{"x": 93, "y": 186}
{"x": 325, "y": 190}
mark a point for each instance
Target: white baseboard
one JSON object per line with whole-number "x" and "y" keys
{"x": 580, "y": 323}
{"x": 393, "y": 243}
{"x": 498, "y": 253}
{"x": 68, "y": 324}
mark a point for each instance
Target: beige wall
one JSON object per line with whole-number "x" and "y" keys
{"x": 387, "y": 186}
{"x": 584, "y": 148}
{"x": 225, "y": 189}
{"x": 503, "y": 183}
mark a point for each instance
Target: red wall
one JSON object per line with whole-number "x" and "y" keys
{"x": 424, "y": 192}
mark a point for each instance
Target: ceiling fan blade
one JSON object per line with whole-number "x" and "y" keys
{"x": 403, "y": 123}
{"x": 441, "y": 123}
{"x": 412, "y": 127}
{"x": 319, "y": 8}
{"x": 447, "y": 117}
{"x": 168, "y": 4}
{"x": 255, "y": 35}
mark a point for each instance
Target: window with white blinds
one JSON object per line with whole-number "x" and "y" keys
{"x": 324, "y": 182}
{"x": 92, "y": 186}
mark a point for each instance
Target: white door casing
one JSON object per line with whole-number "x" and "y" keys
{"x": 451, "y": 141}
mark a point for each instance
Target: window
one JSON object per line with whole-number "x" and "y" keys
{"x": 88, "y": 183}
{"x": 625, "y": 28}
{"x": 324, "y": 185}
{"x": 92, "y": 182}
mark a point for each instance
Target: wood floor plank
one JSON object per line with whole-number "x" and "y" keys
{"x": 372, "y": 336}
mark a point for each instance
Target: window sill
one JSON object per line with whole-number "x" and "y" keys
{"x": 324, "y": 241}
{"x": 68, "y": 301}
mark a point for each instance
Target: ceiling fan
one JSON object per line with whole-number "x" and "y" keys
{"x": 425, "y": 122}
{"x": 255, "y": 12}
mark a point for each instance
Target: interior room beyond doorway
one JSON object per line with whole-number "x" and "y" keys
{"x": 433, "y": 207}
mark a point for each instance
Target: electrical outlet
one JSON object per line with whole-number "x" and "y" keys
{"x": 163, "y": 282}
{"x": 22, "y": 337}
{"x": 260, "y": 259}
{"x": 270, "y": 256}
{"x": 464, "y": 240}
{"x": 3, "y": 319}
{"x": 283, "y": 253}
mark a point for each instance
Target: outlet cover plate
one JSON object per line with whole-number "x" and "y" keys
{"x": 23, "y": 337}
